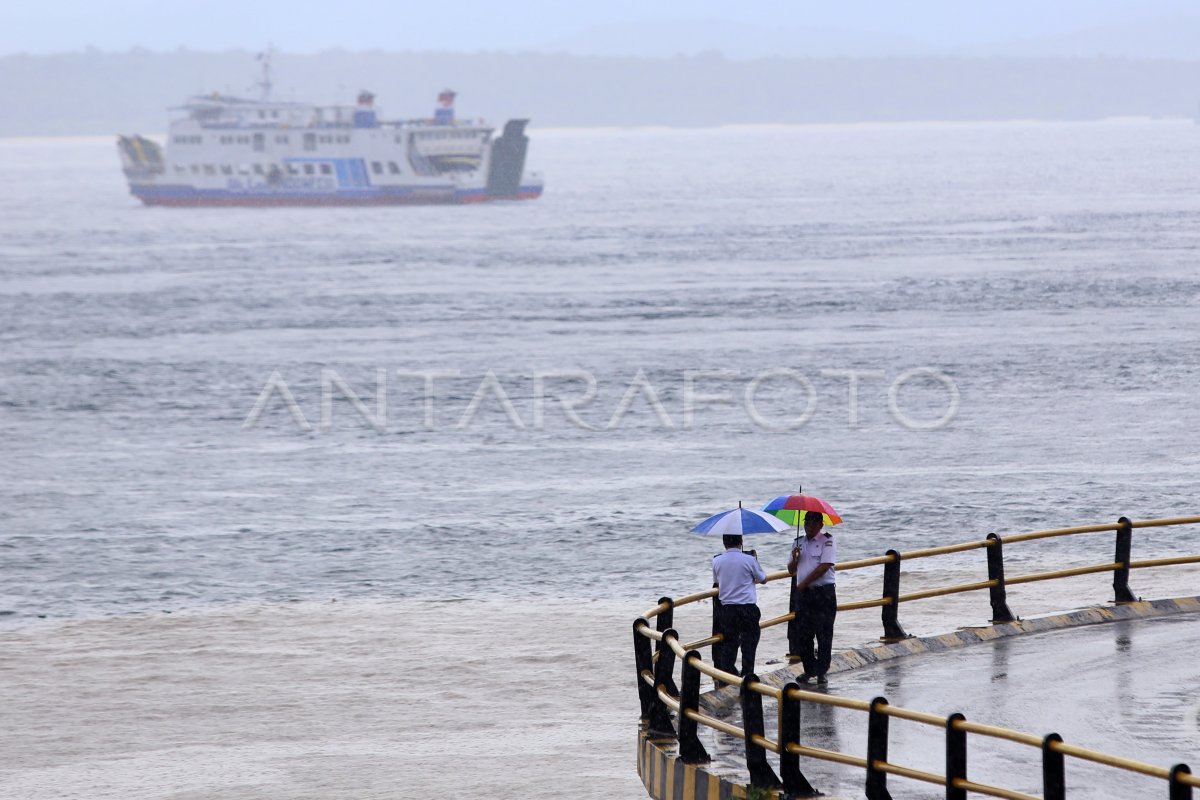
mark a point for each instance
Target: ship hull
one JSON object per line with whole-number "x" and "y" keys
{"x": 187, "y": 196}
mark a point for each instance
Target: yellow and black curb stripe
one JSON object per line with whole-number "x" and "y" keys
{"x": 667, "y": 778}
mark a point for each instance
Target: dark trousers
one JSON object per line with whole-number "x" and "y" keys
{"x": 815, "y": 609}
{"x": 739, "y": 627}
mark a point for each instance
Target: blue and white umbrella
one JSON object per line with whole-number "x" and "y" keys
{"x": 740, "y": 521}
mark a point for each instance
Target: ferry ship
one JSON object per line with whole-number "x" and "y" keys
{"x": 223, "y": 150}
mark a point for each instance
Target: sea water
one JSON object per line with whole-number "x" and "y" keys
{"x": 347, "y": 503}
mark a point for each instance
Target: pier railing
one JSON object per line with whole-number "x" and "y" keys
{"x": 660, "y": 696}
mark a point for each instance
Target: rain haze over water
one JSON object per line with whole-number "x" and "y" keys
{"x": 944, "y": 329}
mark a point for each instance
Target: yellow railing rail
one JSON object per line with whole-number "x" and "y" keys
{"x": 659, "y": 694}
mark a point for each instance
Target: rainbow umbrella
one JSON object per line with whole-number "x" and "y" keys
{"x": 791, "y": 508}
{"x": 740, "y": 521}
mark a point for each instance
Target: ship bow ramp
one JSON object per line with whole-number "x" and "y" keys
{"x": 508, "y": 160}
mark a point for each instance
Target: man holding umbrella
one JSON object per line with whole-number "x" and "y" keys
{"x": 812, "y": 562}
{"x": 735, "y": 573}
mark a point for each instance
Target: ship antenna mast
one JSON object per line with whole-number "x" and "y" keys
{"x": 264, "y": 84}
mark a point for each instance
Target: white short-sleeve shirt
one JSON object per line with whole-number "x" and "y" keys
{"x": 735, "y": 574}
{"x": 817, "y": 550}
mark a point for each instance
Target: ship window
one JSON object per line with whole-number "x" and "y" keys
{"x": 281, "y": 140}
{"x": 226, "y": 169}
{"x": 377, "y": 167}
{"x": 258, "y": 169}
{"x": 308, "y": 169}
{"x": 195, "y": 169}
{"x": 209, "y": 169}
{"x": 259, "y": 142}
{"x": 291, "y": 168}
{"x": 393, "y": 168}
{"x": 326, "y": 169}
{"x": 180, "y": 169}
{"x": 310, "y": 141}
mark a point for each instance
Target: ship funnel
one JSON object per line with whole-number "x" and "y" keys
{"x": 364, "y": 115}
{"x": 444, "y": 113}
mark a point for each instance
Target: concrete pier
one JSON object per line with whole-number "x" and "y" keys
{"x": 1116, "y": 678}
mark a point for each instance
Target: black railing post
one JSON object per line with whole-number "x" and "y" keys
{"x": 794, "y": 782}
{"x": 691, "y": 751}
{"x": 660, "y": 716}
{"x": 761, "y": 774}
{"x": 641, "y": 659}
{"x": 1054, "y": 780}
{"x": 892, "y": 632}
{"x": 956, "y": 758}
{"x": 877, "y": 750}
{"x": 716, "y": 620}
{"x": 664, "y": 666}
{"x": 665, "y": 621}
{"x": 995, "y": 559}
{"x": 667, "y": 618}
{"x": 1121, "y": 574}
{"x": 1179, "y": 789}
{"x": 718, "y": 648}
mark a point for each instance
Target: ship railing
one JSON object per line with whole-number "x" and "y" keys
{"x": 659, "y": 695}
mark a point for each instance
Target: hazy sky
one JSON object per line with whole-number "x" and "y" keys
{"x": 471, "y": 25}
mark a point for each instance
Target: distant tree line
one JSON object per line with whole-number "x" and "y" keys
{"x": 107, "y": 93}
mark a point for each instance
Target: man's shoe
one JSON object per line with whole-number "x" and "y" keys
{"x": 804, "y": 677}
{"x": 822, "y": 680}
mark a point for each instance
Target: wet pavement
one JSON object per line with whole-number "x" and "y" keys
{"x": 1129, "y": 688}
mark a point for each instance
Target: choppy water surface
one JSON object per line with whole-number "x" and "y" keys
{"x": 1033, "y": 284}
